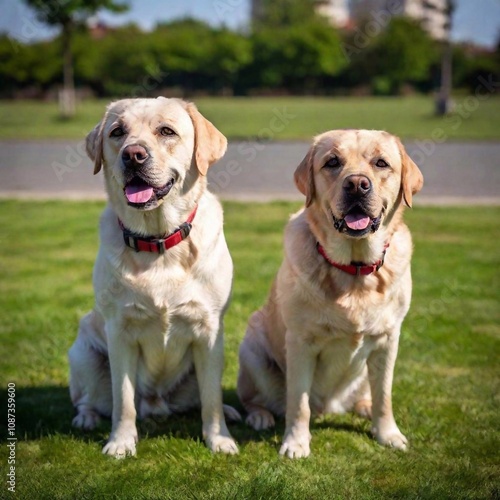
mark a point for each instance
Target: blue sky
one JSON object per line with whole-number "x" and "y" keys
{"x": 475, "y": 20}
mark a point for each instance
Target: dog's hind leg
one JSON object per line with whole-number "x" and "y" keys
{"x": 261, "y": 384}
{"x": 186, "y": 396}
{"x": 90, "y": 377}
{"x": 363, "y": 404}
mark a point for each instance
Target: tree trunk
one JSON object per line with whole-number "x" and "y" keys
{"x": 444, "y": 104}
{"x": 67, "y": 94}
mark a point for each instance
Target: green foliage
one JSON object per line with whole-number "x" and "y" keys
{"x": 273, "y": 14}
{"x": 115, "y": 64}
{"x": 402, "y": 53}
{"x": 68, "y": 15}
{"x": 185, "y": 53}
{"x": 57, "y": 13}
{"x": 470, "y": 65}
{"x": 291, "y": 50}
{"x": 24, "y": 65}
{"x": 297, "y": 56}
{"x": 194, "y": 55}
{"x": 446, "y": 382}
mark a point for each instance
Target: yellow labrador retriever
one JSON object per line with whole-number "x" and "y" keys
{"x": 326, "y": 341}
{"x": 162, "y": 279}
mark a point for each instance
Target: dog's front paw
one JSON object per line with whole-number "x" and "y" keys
{"x": 296, "y": 446}
{"x": 121, "y": 445}
{"x": 391, "y": 437}
{"x": 260, "y": 419}
{"x": 86, "y": 419}
{"x": 221, "y": 444}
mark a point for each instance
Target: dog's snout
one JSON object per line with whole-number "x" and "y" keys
{"x": 134, "y": 155}
{"x": 357, "y": 185}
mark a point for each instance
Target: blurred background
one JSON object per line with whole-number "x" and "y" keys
{"x": 109, "y": 48}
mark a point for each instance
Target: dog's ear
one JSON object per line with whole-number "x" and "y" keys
{"x": 304, "y": 177}
{"x": 412, "y": 179}
{"x": 93, "y": 145}
{"x": 209, "y": 143}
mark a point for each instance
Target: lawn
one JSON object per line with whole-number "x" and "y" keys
{"x": 281, "y": 118}
{"x": 446, "y": 387}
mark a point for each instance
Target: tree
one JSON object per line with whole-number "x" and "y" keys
{"x": 443, "y": 101}
{"x": 297, "y": 57}
{"x": 230, "y": 53}
{"x": 273, "y": 14}
{"x": 403, "y": 53}
{"x": 67, "y": 15}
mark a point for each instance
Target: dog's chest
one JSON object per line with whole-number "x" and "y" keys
{"x": 358, "y": 313}
{"x": 168, "y": 306}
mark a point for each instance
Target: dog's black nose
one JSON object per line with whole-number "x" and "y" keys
{"x": 357, "y": 185}
{"x": 134, "y": 155}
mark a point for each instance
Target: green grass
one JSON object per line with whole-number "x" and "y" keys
{"x": 241, "y": 118}
{"x": 446, "y": 388}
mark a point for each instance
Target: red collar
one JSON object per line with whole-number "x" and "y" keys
{"x": 158, "y": 245}
{"x": 354, "y": 268}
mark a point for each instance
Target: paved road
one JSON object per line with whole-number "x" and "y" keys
{"x": 454, "y": 172}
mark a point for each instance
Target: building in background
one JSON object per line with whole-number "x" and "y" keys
{"x": 433, "y": 14}
{"x": 336, "y": 11}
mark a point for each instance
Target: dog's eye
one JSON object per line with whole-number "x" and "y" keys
{"x": 381, "y": 163}
{"x": 333, "y": 162}
{"x": 117, "y": 132}
{"x": 166, "y": 131}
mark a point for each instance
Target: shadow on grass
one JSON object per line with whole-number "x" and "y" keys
{"x": 47, "y": 411}
{"x": 355, "y": 427}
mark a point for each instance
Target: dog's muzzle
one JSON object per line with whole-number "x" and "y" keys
{"x": 342, "y": 226}
{"x": 142, "y": 195}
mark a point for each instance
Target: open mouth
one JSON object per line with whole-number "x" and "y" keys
{"x": 142, "y": 195}
{"x": 356, "y": 222}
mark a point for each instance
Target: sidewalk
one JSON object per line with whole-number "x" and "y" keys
{"x": 455, "y": 173}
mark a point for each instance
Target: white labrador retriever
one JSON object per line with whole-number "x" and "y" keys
{"x": 327, "y": 338}
{"x": 162, "y": 278}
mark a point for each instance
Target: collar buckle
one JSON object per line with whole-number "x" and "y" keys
{"x": 160, "y": 246}
{"x": 185, "y": 229}
{"x": 358, "y": 266}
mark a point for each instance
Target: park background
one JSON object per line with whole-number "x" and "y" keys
{"x": 270, "y": 82}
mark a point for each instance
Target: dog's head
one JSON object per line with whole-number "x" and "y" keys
{"x": 358, "y": 178}
{"x": 153, "y": 148}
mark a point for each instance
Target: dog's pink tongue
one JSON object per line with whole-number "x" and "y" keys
{"x": 357, "y": 222}
{"x": 138, "y": 193}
